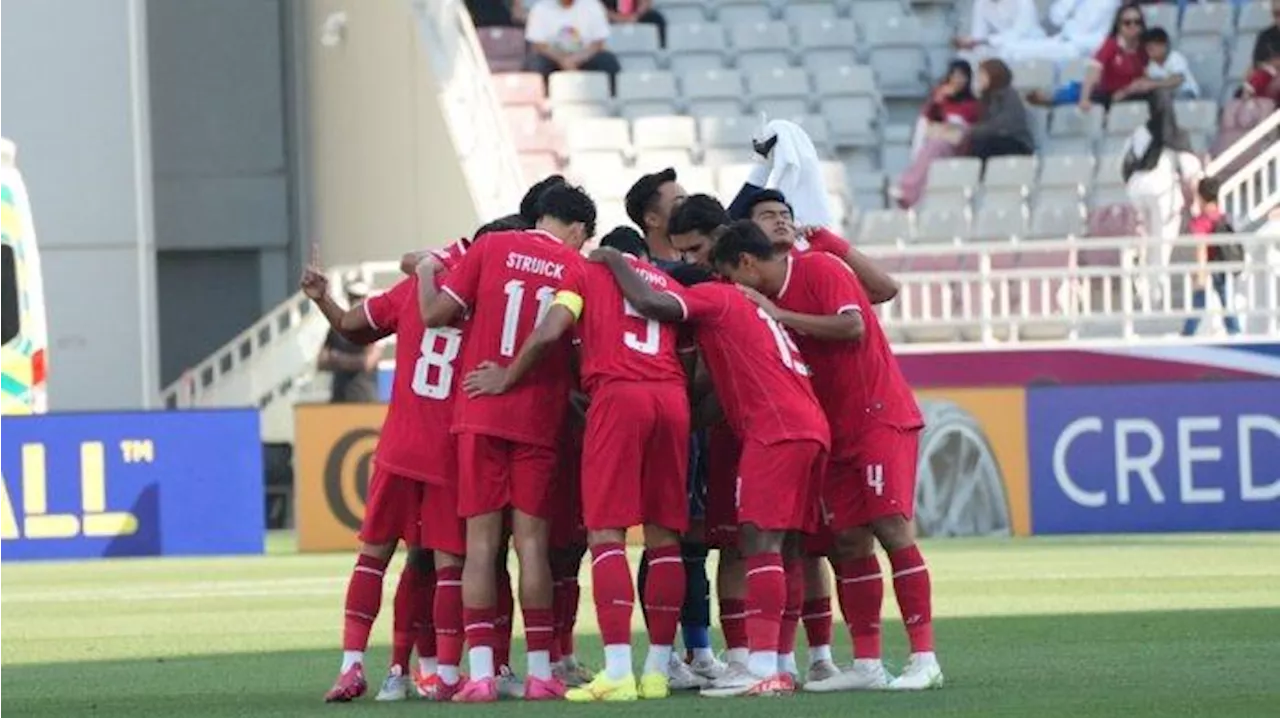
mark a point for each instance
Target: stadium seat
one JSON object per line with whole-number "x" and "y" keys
{"x": 1241, "y": 56}
{"x": 1039, "y": 117}
{"x": 1074, "y": 71}
{"x": 713, "y": 92}
{"x": 634, "y": 38}
{"x": 892, "y": 31}
{"x": 565, "y": 114}
{"x": 694, "y": 47}
{"x": 1061, "y": 195}
{"x": 731, "y": 177}
{"x": 652, "y": 160}
{"x": 818, "y": 130}
{"x": 1054, "y": 221}
{"x": 503, "y": 48}
{"x": 760, "y": 46}
{"x": 780, "y": 92}
{"x": 1106, "y": 195}
{"x": 1109, "y": 169}
{"x": 885, "y": 226}
{"x": 799, "y": 13}
{"x": 1067, "y": 171}
{"x": 1031, "y": 75}
{"x": 578, "y": 88}
{"x": 901, "y": 72}
{"x": 827, "y": 42}
{"x": 664, "y": 133}
{"x": 1125, "y": 117}
{"x": 853, "y": 121}
{"x": 866, "y": 12}
{"x": 520, "y": 88}
{"x": 694, "y": 178}
{"x": 604, "y": 134}
{"x": 941, "y": 225}
{"x": 1163, "y": 15}
{"x": 1070, "y": 121}
{"x": 536, "y": 165}
{"x": 999, "y": 225}
{"x": 1012, "y": 171}
{"x": 1197, "y": 116}
{"x": 1208, "y": 64}
{"x": 684, "y": 12}
{"x": 1254, "y": 17}
{"x": 726, "y": 139}
{"x": 530, "y": 132}
{"x": 1207, "y": 18}
{"x": 1118, "y": 219}
{"x": 596, "y": 163}
{"x": 643, "y": 94}
{"x": 1006, "y": 198}
{"x": 733, "y": 12}
{"x": 868, "y": 189}
{"x": 954, "y": 173}
{"x": 846, "y": 81}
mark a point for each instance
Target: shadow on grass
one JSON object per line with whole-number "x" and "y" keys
{"x": 1189, "y": 663}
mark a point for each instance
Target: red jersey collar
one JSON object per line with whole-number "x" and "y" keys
{"x": 786, "y": 281}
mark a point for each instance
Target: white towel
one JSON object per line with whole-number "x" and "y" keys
{"x": 794, "y": 170}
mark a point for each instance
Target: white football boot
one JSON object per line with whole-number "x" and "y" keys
{"x": 922, "y": 672}
{"x": 863, "y": 675}
{"x": 396, "y": 687}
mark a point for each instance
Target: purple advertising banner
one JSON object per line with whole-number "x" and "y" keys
{"x": 1201, "y": 456}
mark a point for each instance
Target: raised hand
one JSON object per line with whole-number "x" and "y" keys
{"x": 315, "y": 283}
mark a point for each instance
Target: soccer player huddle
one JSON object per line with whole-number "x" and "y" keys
{"x": 547, "y": 402}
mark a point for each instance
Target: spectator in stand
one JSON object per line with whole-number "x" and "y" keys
{"x": 568, "y": 35}
{"x": 997, "y": 23}
{"x": 492, "y": 13}
{"x": 952, "y": 104}
{"x": 1005, "y": 128}
{"x": 1209, "y": 221}
{"x": 1167, "y": 69}
{"x": 950, "y": 111}
{"x": 1118, "y": 70}
{"x": 1264, "y": 79}
{"x": 1158, "y": 161}
{"x": 1268, "y": 43}
{"x": 626, "y": 12}
{"x": 1082, "y": 25}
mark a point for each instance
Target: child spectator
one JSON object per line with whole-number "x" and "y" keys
{"x": 1209, "y": 222}
{"x": 1167, "y": 68}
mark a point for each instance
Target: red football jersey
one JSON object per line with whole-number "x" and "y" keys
{"x": 855, "y": 381}
{"x": 507, "y": 281}
{"x": 822, "y": 240}
{"x": 758, "y": 374}
{"x": 617, "y": 342}
{"x": 415, "y": 439}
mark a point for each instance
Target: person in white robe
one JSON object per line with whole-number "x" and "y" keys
{"x": 995, "y": 24}
{"x": 1082, "y": 26}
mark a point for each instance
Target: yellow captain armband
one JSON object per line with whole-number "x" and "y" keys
{"x": 571, "y": 301}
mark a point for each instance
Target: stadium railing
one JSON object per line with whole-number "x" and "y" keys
{"x": 1252, "y": 191}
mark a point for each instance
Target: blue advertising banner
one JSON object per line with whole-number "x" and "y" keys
{"x": 1201, "y": 456}
{"x": 132, "y": 484}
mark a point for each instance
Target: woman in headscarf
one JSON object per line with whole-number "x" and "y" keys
{"x": 1005, "y": 128}
{"x": 1159, "y": 169}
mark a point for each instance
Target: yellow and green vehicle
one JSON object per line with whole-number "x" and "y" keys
{"x": 26, "y": 338}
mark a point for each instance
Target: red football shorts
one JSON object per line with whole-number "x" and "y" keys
{"x": 877, "y": 480}
{"x": 566, "y": 529}
{"x": 442, "y": 528}
{"x": 723, "y": 452}
{"x": 391, "y": 509}
{"x": 778, "y": 485}
{"x": 495, "y": 473}
{"x": 636, "y": 458}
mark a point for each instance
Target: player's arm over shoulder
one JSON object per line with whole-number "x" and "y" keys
{"x": 879, "y": 284}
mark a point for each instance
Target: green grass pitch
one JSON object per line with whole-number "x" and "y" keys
{"x": 1097, "y": 626}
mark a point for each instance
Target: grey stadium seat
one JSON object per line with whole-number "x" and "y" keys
{"x": 1125, "y": 117}
{"x": 893, "y": 31}
{"x": 1207, "y": 64}
{"x": 578, "y": 87}
{"x": 730, "y": 12}
{"x": 1207, "y": 18}
{"x": 1053, "y": 221}
{"x": 761, "y": 45}
{"x": 663, "y": 133}
{"x": 603, "y": 134}
{"x": 1067, "y": 171}
{"x": 798, "y": 13}
{"x": 1032, "y": 75}
{"x": 643, "y": 94}
{"x": 564, "y": 114}
{"x": 1162, "y": 15}
{"x": 885, "y": 226}
{"x": 633, "y": 38}
{"x": 1010, "y": 171}
{"x": 596, "y": 164}
{"x": 1242, "y": 55}
{"x": 1109, "y": 169}
{"x": 900, "y": 71}
{"x": 713, "y": 92}
{"x": 694, "y": 47}
{"x": 846, "y": 81}
{"x": 1070, "y": 121}
{"x": 780, "y": 92}
{"x": 683, "y": 12}
{"x": 1254, "y": 17}
{"x": 941, "y": 225}
{"x": 1200, "y": 116}
{"x": 730, "y": 178}
{"x": 1005, "y": 198}
{"x": 853, "y": 121}
{"x": 999, "y": 225}
{"x": 827, "y": 42}
{"x": 695, "y": 179}
{"x": 867, "y": 11}
{"x": 954, "y": 173}
{"x": 727, "y": 139}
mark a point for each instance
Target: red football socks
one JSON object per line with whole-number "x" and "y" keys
{"x": 787, "y": 630}
{"x": 733, "y": 622}
{"x": 915, "y": 597}
{"x": 613, "y": 592}
{"x": 448, "y": 615}
{"x": 502, "y": 620}
{"x": 424, "y": 625}
{"x": 478, "y": 625}
{"x": 539, "y": 628}
{"x": 861, "y": 590}
{"x": 664, "y": 594}
{"x": 766, "y": 598}
{"x": 364, "y": 598}
{"x": 404, "y": 621}
{"x": 816, "y": 614}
